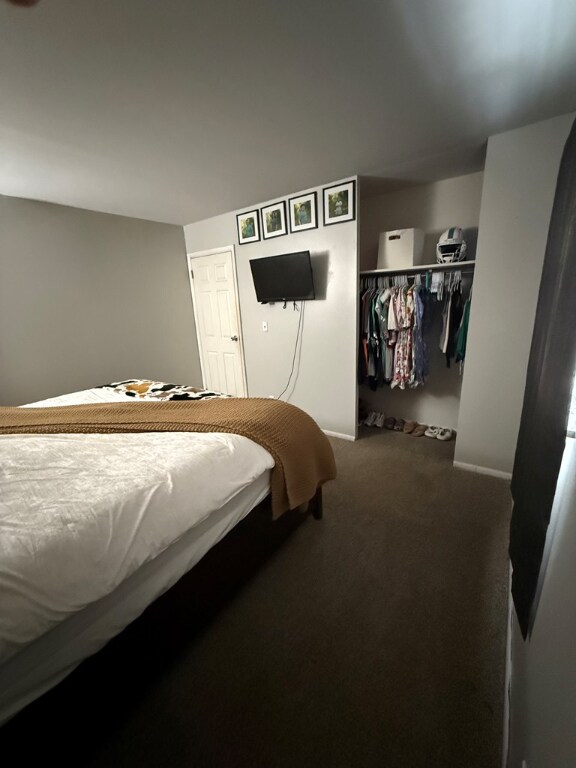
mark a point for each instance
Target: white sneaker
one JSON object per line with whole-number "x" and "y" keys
{"x": 370, "y": 419}
{"x": 379, "y": 421}
{"x": 432, "y": 432}
{"x": 444, "y": 434}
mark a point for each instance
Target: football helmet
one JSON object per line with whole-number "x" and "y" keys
{"x": 451, "y": 246}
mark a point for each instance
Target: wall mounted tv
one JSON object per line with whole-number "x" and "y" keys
{"x": 283, "y": 278}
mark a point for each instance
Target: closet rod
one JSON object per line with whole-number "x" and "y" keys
{"x": 462, "y": 266}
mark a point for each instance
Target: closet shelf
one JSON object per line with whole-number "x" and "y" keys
{"x": 457, "y": 265}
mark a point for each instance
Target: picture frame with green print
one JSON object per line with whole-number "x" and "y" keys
{"x": 302, "y": 212}
{"x": 274, "y": 220}
{"x": 248, "y": 227}
{"x": 339, "y": 203}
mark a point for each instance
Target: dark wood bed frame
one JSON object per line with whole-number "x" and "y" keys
{"x": 315, "y": 505}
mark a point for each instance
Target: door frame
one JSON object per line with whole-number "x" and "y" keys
{"x": 189, "y": 265}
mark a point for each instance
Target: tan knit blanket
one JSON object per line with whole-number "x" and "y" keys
{"x": 302, "y": 454}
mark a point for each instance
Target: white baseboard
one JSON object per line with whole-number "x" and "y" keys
{"x": 338, "y": 434}
{"x": 482, "y": 470}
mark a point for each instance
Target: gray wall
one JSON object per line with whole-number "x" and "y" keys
{"x": 326, "y": 368}
{"x": 543, "y": 682}
{"x": 87, "y": 298}
{"x": 431, "y": 208}
{"x": 517, "y": 196}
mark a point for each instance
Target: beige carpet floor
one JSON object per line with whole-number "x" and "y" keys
{"x": 373, "y": 638}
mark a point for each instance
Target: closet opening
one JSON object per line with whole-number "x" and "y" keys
{"x": 413, "y": 329}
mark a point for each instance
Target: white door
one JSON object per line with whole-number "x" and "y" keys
{"x": 217, "y": 313}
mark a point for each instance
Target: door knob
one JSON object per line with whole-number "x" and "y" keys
{"x": 234, "y": 338}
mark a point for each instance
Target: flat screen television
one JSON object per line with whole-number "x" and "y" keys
{"x": 287, "y": 277}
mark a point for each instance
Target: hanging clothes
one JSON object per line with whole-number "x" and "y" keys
{"x": 370, "y": 365}
{"x": 462, "y": 334}
{"x": 387, "y": 335}
{"x": 451, "y": 316}
{"x": 419, "y": 346}
{"x": 395, "y": 321}
{"x": 403, "y": 313}
{"x": 456, "y": 311}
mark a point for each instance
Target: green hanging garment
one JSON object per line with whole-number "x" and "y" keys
{"x": 463, "y": 333}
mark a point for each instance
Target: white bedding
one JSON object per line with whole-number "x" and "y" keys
{"x": 44, "y": 662}
{"x": 80, "y": 513}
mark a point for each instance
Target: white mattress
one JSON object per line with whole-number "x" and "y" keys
{"x": 81, "y": 514}
{"x": 42, "y": 664}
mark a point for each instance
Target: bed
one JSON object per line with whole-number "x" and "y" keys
{"x": 95, "y": 525}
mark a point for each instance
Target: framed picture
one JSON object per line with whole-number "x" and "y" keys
{"x": 274, "y": 220}
{"x": 302, "y": 212}
{"x": 339, "y": 203}
{"x": 248, "y": 227}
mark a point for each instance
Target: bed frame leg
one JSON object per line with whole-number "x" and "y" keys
{"x": 316, "y": 504}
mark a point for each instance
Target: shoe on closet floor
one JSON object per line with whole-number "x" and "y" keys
{"x": 389, "y": 422}
{"x": 444, "y": 434}
{"x": 399, "y": 426}
{"x": 409, "y": 427}
{"x": 432, "y": 431}
{"x": 370, "y": 420}
{"x": 419, "y": 430}
{"x": 379, "y": 420}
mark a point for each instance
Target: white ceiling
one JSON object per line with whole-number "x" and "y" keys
{"x": 177, "y": 110}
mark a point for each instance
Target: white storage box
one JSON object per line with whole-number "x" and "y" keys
{"x": 400, "y": 248}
